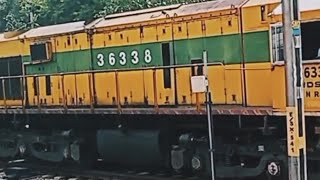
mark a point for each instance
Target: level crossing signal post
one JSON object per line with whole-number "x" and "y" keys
{"x": 200, "y": 84}
{"x": 296, "y": 142}
{"x": 209, "y": 116}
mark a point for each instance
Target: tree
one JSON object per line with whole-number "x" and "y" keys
{"x": 25, "y": 14}
{"x": 20, "y": 14}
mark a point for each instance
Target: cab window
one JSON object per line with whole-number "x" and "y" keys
{"x": 277, "y": 43}
{"x": 310, "y": 40}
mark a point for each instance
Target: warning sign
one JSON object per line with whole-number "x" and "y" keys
{"x": 292, "y": 132}
{"x": 296, "y": 24}
{"x": 296, "y": 28}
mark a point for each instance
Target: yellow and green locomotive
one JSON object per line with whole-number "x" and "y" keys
{"x": 119, "y": 88}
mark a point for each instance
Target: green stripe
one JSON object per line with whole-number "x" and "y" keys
{"x": 62, "y": 62}
{"x": 220, "y": 49}
{"x": 256, "y": 47}
{"x": 226, "y": 49}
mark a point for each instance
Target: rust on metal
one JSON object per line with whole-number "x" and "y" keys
{"x": 183, "y": 110}
{"x": 198, "y": 102}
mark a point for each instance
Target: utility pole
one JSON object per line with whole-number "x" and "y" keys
{"x": 209, "y": 115}
{"x": 295, "y": 93}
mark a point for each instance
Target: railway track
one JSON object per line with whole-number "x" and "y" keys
{"x": 28, "y": 171}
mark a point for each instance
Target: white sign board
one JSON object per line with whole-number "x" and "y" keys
{"x": 198, "y": 84}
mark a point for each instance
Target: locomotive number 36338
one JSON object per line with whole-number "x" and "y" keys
{"x": 312, "y": 72}
{"x": 123, "y": 58}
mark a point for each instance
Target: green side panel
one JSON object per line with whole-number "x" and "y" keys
{"x": 62, "y": 62}
{"x": 134, "y": 56}
{"x": 44, "y": 68}
{"x": 226, "y": 49}
{"x": 74, "y": 61}
{"x": 187, "y": 50}
{"x": 220, "y": 49}
{"x": 256, "y": 47}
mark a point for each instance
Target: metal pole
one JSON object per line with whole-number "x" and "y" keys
{"x": 209, "y": 114}
{"x": 293, "y": 161}
{"x": 299, "y": 85}
{"x": 295, "y": 105}
{"x": 24, "y": 84}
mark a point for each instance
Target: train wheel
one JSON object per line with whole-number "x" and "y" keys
{"x": 85, "y": 152}
{"x": 277, "y": 170}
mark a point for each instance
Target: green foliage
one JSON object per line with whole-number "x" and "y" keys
{"x": 24, "y": 14}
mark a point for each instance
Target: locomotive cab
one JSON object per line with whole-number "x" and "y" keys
{"x": 310, "y": 41}
{"x": 309, "y": 37}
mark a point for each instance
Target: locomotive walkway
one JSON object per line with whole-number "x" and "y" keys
{"x": 168, "y": 110}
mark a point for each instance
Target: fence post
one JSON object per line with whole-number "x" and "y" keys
{"x": 22, "y": 90}
{"x": 90, "y": 94}
{"x": 118, "y": 91}
{"x": 4, "y": 94}
{"x": 155, "y": 91}
{"x": 38, "y": 93}
{"x": 64, "y": 101}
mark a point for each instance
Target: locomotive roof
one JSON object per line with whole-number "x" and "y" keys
{"x": 3, "y": 38}
{"x": 161, "y": 13}
{"x": 54, "y": 30}
{"x": 260, "y": 2}
{"x": 152, "y": 14}
{"x": 10, "y": 36}
{"x": 208, "y": 6}
{"x": 304, "y": 6}
{"x": 143, "y": 11}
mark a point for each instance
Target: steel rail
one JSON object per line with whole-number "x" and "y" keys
{"x": 71, "y": 171}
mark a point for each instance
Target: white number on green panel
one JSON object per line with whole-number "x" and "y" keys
{"x": 123, "y": 58}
